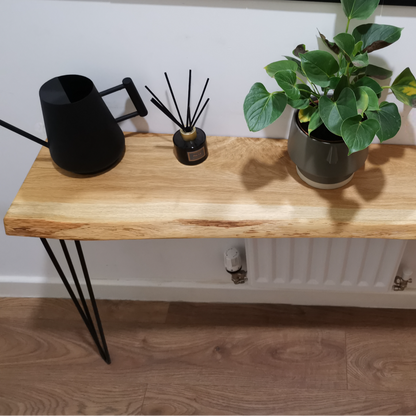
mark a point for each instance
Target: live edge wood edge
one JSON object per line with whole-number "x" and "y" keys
{"x": 248, "y": 187}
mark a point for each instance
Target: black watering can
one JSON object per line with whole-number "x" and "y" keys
{"x": 83, "y": 136}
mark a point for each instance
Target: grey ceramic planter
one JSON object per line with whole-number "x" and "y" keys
{"x": 322, "y": 164}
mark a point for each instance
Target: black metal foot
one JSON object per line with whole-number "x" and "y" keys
{"x": 83, "y": 311}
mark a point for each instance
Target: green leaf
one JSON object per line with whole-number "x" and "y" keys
{"x": 362, "y": 100}
{"x": 372, "y": 99}
{"x": 377, "y": 72}
{"x": 361, "y": 60}
{"x": 404, "y": 88}
{"x": 331, "y": 45}
{"x": 358, "y": 77}
{"x": 358, "y": 133}
{"x": 358, "y": 72}
{"x": 357, "y": 47}
{"x": 333, "y": 83}
{"x": 274, "y": 67}
{"x": 359, "y": 9}
{"x": 334, "y": 113}
{"x": 369, "y": 82}
{"x": 343, "y": 83}
{"x": 298, "y": 50}
{"x": 346, "y": 43}
{"x": 319, "y": 67}
{"x": 306, "y": 114}
{"x": 342, "y": 66}
{"x": 298, "y": 63}
{"x": 300, "y": 104}
{"x": 262, "y": 108}
{"x": 314, "y": 122}
{"x": 287, "y": 82}
{"x": 303, "y": 101}
{"x": 388, "y": 117}
{"x": 375, "y": 36}
{"x": 305, "y": 90}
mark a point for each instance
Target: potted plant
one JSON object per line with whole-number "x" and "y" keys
{"x": 336, "y": 98}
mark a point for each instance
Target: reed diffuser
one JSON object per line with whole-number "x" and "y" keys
{"x": 190, "y": 142}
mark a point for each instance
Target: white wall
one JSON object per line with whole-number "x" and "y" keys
{"x": 229, "y": 41}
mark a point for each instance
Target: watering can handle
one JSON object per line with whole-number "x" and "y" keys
{"x": 128, "y": 84}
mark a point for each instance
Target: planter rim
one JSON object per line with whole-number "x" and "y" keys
{"x": 297, "y": 121}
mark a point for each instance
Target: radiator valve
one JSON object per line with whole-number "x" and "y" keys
{"x": 234, "y": 266}
{"x": 400, "y": 283}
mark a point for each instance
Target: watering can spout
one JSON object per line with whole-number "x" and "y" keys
{"x": 23, "y": 133}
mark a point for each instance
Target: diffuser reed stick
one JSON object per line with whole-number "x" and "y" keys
{"x": 188, "y": 112}
{"x": 202, "y": 109}
{"x": 154, "y": 96}
{"x": 162, "y": 107}
{"x": 199, "y": 102}
{"x": 189, "y": 126}
{"x": 165, "y": 111}
{"x": 174, "y": 100}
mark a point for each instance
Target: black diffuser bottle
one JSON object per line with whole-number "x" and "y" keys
{"x": 190, "y": 142}
{"x": 190, "y": 147}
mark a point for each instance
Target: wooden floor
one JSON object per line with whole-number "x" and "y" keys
{"x": 182, "y": 358}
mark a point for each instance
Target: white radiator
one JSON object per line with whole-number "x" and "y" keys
{"x": 324, "y": 263}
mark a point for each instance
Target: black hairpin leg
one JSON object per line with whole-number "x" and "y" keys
{"x": 83, "y": 311}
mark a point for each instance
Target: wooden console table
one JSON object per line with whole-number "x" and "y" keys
{"x": 247, "y": 188}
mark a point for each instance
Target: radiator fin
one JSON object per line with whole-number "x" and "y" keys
{"x": 325, "y": 263}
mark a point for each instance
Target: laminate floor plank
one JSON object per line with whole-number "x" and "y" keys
{"x": 266, "y": 399}
{"x": 206, "y": 359}
{"x": 183, "y": 354}
{"x": 382, "y": 360}
{"x": 64, "y": 309}
{"x": 46, "y": 344}
{"x": 66, "y": 397}
{"x": 225, "y": 314}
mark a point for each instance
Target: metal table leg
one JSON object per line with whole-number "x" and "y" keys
{"x": 83, "y": 310}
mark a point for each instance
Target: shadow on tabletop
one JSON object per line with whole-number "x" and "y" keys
{"x": 378, "y": 157}
{"x": 256, "y": 175}
{"x": 342, "y": 208}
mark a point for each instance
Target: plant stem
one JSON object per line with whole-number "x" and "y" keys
{"x": 385, "y": 87}
{"x": 315, "y": 90}
{"x": 348, "y": 25}
{"x": 346, "y": 71}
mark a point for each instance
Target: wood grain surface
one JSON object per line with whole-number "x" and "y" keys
{"x": 369, "y": 365}
{"x": 68, "y": 397}
{"x": 212, "y": 314}
{"x": 285, "y": 357}
{"x": 268, "y": 400}
{"x": 246, "y": 188}
{"x": 340, "y": 361}
{"x": 63, "y": 309}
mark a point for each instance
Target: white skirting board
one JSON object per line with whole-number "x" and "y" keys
{"x": 196, "y": 292}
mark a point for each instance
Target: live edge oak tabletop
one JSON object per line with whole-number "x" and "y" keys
{"x": 247, "y": 187}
